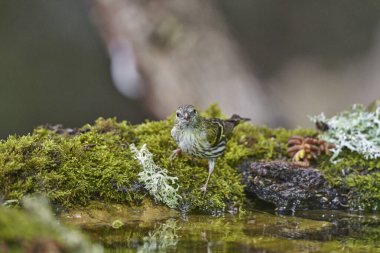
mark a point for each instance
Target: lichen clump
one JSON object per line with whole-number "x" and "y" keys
{"x": 156, "y": 179}
{"x": 357, "y": 130}
{"x": 95, "y": 162}
{"x": 356, "y": 160}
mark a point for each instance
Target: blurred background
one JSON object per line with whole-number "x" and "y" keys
{"x": 73, "y": 61}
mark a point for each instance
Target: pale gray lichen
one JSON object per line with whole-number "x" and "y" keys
{"x": 10, "y": 203}
{"x": 357, "y": 130}
{"x": 155, "y": 179}
{"x": 161, "y": 239}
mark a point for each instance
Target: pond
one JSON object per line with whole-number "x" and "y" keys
{"x": 254, "y": 231}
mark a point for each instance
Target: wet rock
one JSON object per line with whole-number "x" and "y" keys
{"x": 291, "y": 188}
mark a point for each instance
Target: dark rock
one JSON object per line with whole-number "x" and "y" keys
{"x": 59, "y": 129}
{"x": 290, "y": 187}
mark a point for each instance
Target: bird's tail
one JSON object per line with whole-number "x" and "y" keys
{"x": 236, "y": 119}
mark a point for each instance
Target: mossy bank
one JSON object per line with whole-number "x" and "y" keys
{"x": 73, "y": 167}
{"x": 95, "y": 162}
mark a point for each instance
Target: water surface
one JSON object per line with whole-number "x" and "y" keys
{"x": 254, "y": 231}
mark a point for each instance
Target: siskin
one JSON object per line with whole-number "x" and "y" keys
{"x": 202, "y": 137}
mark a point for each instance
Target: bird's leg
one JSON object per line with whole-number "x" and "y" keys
{"x": 211, "y": 165}
{"x": 175, "y": 153}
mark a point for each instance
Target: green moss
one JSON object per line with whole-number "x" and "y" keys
{"x": 95, "y": 163}
{"x": 358, "y": 174}
{"x": 260, "y": 143}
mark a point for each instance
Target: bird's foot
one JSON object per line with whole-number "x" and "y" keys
{"x": 174, "y": 154}
{"x": 204, "y": 189}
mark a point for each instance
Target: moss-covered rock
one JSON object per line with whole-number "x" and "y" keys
{"x": 358, "y": 174}
{"x": 75, "y": 166}
{"x": 355, "y": 162}
{"x": 94, "y": 163}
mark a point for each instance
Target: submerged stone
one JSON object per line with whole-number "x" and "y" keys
{"x": 103, "y": 214}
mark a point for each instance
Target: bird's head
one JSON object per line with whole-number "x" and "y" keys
{"x": 186, "y": 116}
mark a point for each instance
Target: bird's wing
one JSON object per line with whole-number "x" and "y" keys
{"x": 214, "y": 130}
{"x": 218, "y": 130}
{"x": 174, "y": 133}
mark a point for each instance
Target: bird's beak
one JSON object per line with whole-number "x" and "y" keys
{"x": 186, "y": 116}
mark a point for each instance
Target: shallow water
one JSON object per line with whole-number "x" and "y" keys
{"x": 255, "y": 231}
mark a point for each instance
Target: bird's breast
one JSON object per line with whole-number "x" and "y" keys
{"x": 190, "y": 141}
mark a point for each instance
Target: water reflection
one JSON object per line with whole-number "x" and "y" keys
{"x": 162, "y": 238}
{"x": 350, "y": 227}
{"x": 252, "y": 232}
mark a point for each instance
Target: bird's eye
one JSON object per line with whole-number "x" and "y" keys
{"x": 178, "y": 114}
{"x": 195, "y": 111}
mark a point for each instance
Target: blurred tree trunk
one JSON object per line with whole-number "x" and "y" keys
{"x": 183, "y": 53}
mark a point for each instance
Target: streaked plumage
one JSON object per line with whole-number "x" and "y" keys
{"x": 202, "y": 137}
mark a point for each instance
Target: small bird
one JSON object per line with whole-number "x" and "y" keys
{"x": 202, "y": 137}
